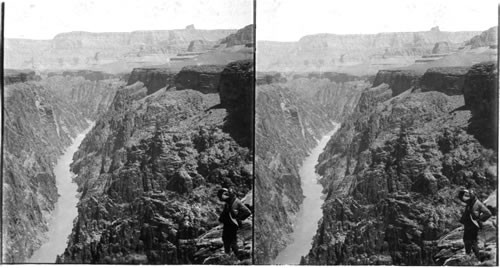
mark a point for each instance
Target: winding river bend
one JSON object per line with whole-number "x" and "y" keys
{"x": 310, "y": 212}
{"x": 65, "y": 211}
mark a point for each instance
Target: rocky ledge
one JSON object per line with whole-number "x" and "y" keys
{"x": 203, "y": 78}
{"x": 398, "y": 80}
{"x": 449, "y": 80}
{"x": 152, "y": 78}
{"x": 12, "y": 76}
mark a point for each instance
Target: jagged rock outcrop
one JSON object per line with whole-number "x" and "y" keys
{"x": 200, "y": 45}
{"x": 398, "y": 80}
{"x": 19, "y": 76}
{"x": 203, "y": 78}
{"x": 289, "y": 119}
{"x": 41, "y": 118}
{"x": 152, "y": 78}
{"x": 148, "y": 174}
{"x": 449, "y": 80}
{"x": 243, "y": 36}
{"x": 441, "y": 48}
{"x": 391, "y": 174}
{"x": 488, "y": 38}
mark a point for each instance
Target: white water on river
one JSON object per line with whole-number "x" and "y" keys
{"x": 310, "y": 211}
{"x": 65, "y": 211}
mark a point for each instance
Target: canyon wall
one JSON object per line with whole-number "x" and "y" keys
{"x": 148, "y": 174}
{"x": 83, "y": 50}
{"x": 392, "y": 171}
{"x": 290, "y": 117}
{"x": 356, "y": 53}
{"x": 41, "y": 117}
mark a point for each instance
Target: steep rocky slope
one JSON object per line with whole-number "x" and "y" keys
{"x": 40, "y": 120}
{"x": 148, "y": 174}
{"x": 392, "y": 171}
{"x": 485, "y": 39}
{"x": 244, "y": 36}
{"x": 356, "y": 54}
{"x": 290, "y": 116}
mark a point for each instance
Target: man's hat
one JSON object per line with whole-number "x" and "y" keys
{"x": 221, "y": 191}
{"x": 462, "y": 192}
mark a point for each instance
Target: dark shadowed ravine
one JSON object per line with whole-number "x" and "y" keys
{"x": 65, "y": 212}
{"x": 310, "y": 211}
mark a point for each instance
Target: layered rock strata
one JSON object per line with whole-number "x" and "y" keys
{"x": 148, "y": 174}
{"x": 392, "y": 171}
{"x": 356, "y": 53}
{"x": 85, "y": 49}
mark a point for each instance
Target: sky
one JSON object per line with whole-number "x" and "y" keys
{"x": 43, "y": 19}
{"x": 289, "y": 20}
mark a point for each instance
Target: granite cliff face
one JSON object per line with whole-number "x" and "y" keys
{"x": 289, "y": 119}
{"x": 41, "y": 118}
{"x": 148, "y": 174}
{"x": 392, "y": 171}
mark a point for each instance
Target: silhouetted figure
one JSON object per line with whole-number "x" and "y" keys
{"x": 475, "y": 213}
{"x": 232, "y": 215}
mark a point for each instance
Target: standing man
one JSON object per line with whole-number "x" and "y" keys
{"x": 234, "y": 212}
{"x": 475, "y": 213}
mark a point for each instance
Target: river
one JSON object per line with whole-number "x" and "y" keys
{"x": 65, "y": 211}
{"x": 310, "y": 211}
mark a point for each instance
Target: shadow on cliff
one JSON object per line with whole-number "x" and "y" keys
{"x": 240, "y": 126}
{"x": 236, "y": 91}
{"x": 485, "y": 130}
{"x": 481, "y": 98}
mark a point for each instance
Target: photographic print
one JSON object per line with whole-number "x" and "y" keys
{"x": 376, "y": 133}
{"x": 128, "y": 132}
